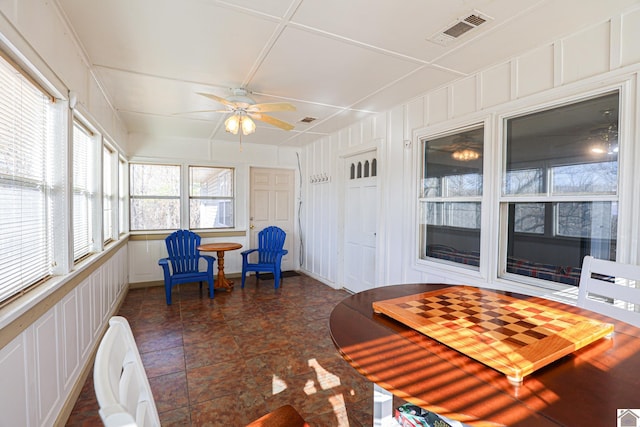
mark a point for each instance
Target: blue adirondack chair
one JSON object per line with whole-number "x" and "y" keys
{"x": 184, "y": 260}
{"x": 270, "y": 252}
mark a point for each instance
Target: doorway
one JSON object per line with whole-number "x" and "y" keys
{"x": 360, "y": 222}
{"x": 271, "y": 202}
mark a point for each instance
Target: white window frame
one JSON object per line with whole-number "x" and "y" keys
{"x": 109, "y": 192}
{"x": 503, "y": 200}
{"x": 90, "y": 190}
{"x": 422, "y": 200}
{"x": 179, "y": 197}
{"x": 33, "y": 242}
{"x": 230, "y": 197}
{"x": 491, "y": 250}
{"x": 123, "y": 193}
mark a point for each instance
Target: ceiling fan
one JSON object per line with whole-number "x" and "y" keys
{"x": 244, "y": 110}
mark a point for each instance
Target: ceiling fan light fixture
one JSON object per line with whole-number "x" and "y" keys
{"x": 465, "y": 155}
{"x": 248, "y": 126}
{"x": 232, "y": 124}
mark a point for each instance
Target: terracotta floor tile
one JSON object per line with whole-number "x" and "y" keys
{"x": 180, "y": 417}
{"x": 224, "y": 411}
{"x": 229, "y": 360}
{"x": 162, "y": 362}
{"x": 170, "y": 391}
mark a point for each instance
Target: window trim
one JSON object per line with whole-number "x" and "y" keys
{"x": 420, "y": 136}
{"x": 179, "y": 197}
{"x": 123, "y": 196}
{"x": 109, "y": 152}
{"x": 93, "y": 136}
{"x": 503, "y": 200}
{"x": 47, "y": 189}
{"x": 184, "y": 198}
{"x": 231, "y": 197}
{"x": 625, "y": 83}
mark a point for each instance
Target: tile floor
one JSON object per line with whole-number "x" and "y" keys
{"x": 227, "y": 361}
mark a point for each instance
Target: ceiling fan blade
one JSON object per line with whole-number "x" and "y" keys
{"x": 218, "y": 99}
{"x": 271, "y": 106}
{"x": 271, "y": 120}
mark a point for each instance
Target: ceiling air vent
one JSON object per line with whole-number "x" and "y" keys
{"x": 308, "y": 119}
{"x": 459, "y": 27}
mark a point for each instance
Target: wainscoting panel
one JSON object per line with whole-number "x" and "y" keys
{"x": 70, "y": 329}
{"x": 48, "y": 364}
{"x": 41, "y": 367}
{"x": 13, "y": 370}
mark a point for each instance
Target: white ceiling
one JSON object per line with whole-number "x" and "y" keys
{"x": 335, "y": 60}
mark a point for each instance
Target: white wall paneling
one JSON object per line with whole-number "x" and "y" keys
{"x": 16, "y": 402}
{"x": 48, "y": 366}
{"x": 70, "y": 329}
{"x": 576, "y": 64}
{"x": 42, "y": 365}
{"x": 144, "y": 256}
{"x": 560, "y": 70}
{"x": 496, "y": 85}
{"x": 630, "y": 50}
{"x": 438, "y": 105}
{"x": 534, "y": 71}
{"x": 464, "y": 96}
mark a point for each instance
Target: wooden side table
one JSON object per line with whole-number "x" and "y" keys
{"x": 220, "y": 248}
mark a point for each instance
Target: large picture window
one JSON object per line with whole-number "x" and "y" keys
{"x": 154, "y": 197}
{"x": 210, "y": 197}
{"x": 560, "y": 189}
{"x": 450, "y": 200}
{"x": 25, "y": 182}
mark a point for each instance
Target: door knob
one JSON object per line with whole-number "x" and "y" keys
{"x": 251, "y": 227}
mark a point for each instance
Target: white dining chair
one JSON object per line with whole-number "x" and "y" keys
{"x": 120, "y": 381}
{"x": 123, "y": 391}
{"x": 610, "y": 288}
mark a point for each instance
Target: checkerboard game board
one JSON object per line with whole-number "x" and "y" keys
{"x": 513, "y": 336}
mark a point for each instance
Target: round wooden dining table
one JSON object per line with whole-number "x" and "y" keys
{"x": 591, "y": 386}
{"x": 220, "y": 248}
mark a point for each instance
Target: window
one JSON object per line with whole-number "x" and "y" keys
{"x": 210, "y": 197}
{"x": 107, "y": 192}
{"x": 450, "y": 200}
{"x": 560, "y": 189}
{"x": 82, "y": 190}
{"x": 122, "y": 196}
{"x": 154, "y": 197}
{"x": 26, "y": 147}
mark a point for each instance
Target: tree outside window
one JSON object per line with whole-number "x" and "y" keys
{"x": 154, "y": 197}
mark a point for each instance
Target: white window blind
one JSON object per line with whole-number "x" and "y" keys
{"x": 107, "y": 192}
{"x": 122, "y": 192}
{"x": 82, "y": 195}
{"x": 25, "y": 229}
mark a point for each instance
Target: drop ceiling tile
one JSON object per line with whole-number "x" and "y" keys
{"x": 420, "y": 82}
{"x": 401, "y": 28}
{"x": 309, "y": 66}
{"x": 340, "y": 121}
{"x": 139, "y": 92}
{"x": 189, "y": 40}
{"x": 167, "y": 126}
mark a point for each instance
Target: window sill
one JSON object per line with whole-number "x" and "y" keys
{"x": 23, "y": 311}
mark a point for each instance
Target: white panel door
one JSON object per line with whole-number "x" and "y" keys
{"x": 272, "y": 203}
{"x": 361, "y": 204}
